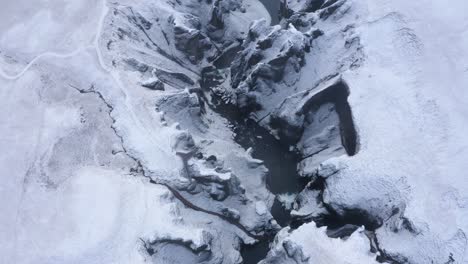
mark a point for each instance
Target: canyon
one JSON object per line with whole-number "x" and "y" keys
{"x": 227, "y": 131}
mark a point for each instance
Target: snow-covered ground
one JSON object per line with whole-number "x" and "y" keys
{"x": 309, "y": 244}
{"x": 412, "y": 127}
{"x": 404, "y": 64}
{"x": 45, "y": 27}
{"x": 112, "y": 153}
{"x": 84, "y": 137}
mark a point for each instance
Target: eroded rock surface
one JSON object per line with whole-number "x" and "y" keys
{"x": 128, "y": 143}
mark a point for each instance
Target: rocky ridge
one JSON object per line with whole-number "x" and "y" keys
{"x": 167, "y": 96}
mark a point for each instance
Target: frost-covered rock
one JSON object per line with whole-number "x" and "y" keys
{"x": 308, "y": 206}
{"x": 407, "y": 123}
{"x": 103, "y": 150}
{"x": 369, "y": 93}
{"x": 303, "y": 6}
{"x": 153, "y": 84}
{"x": 270, "y": 55}
{"x": 309, "y": 244}
{"x": 80, "y": 187}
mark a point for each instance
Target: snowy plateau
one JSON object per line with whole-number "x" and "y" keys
{"x": 233, "y": 131}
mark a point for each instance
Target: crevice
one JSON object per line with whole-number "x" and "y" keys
{"x": 165, "y": 248}
{"x": 281, "y": 162}
{"x": 354, "y": 217}
{"x": 277, "y": 155}
{"x": 192, "y": 206}
{"x": 139, "y": 169}
{"x": 158, "y": 48}
{"x": 337, "y": 94}
{"x": 314, "y": 153}
{"x": 382, "y": 256}
{"x": 339, "y": 225}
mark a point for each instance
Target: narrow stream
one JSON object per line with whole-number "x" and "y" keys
{"x": 282, "y": 177}
{"x": 281, "y": 162}
{"x": 282, "y": 170}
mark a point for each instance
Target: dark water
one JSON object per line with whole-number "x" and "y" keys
{"x": 281, "y": 163}
{"x": 273, "y": 7}
{"x": 252, "y": 254}
{"x": 282, "y": 176}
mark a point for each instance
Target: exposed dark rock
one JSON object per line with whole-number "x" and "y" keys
{"x": 154, "y": 84}
{"x": 291, "y": 125}
{"x": 188, "y": 36}
{"x": 252, "y": 254}
{"x": 174, "y": 79}
{"x": 343, "y": 231}
{"x": 163, "y": 250}
{"x": 302, "y": 6}
{"x": 356, "y": 217}
{"x": 136, "y": 65}
{"x": 231, "y": 213}
{"x": 330, "y": 7}
{"x": 228, "y": 54}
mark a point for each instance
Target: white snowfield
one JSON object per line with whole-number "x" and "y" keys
{"x": 408, "y": 83}
{"x": 79, "y": 135}
{"x": 309, "y": 244}
{"x": 72, "y": 128}
{"x": 31, "y": 29}
{"x": 408, "y": 97}
{"x": 67, "y": 193}
{"x": 409, "y": 106}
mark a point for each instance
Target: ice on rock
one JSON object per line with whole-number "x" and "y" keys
{"x": 153, "y": 84}
{"x": 304, "y": 6}
{"x": 119, "y": 147}
{"x": 87, "y": 169}
{"x": 188, "y": 36}
{"x": 77, "y": 188}
{"x": 310, "y": 244}
{"x": 407, "y": 122}
{"x": 387, "y": 143}
{"x": 307, "y": 206}
{"x": 287, "y": 200}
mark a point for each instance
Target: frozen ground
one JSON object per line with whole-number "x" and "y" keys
{"x": 404, "y": 64}
{"x": 31, "y": 29}
{"x": 116, "y": 150}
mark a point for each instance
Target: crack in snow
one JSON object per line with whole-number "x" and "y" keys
{"x": 140, "y": 169}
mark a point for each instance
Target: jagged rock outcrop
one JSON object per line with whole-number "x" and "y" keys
{"x": 125, "y": 142}
{"x": 270, "y": 55}
{"x": 188, "y": 36}
{"x": 296, "y": 246}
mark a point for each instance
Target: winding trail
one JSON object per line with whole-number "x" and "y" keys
{"x": 176, "y": 193}
{"x": 5, "y": 75}
{"x": 127, "y": 104}
{"x": 59, "y": 55}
